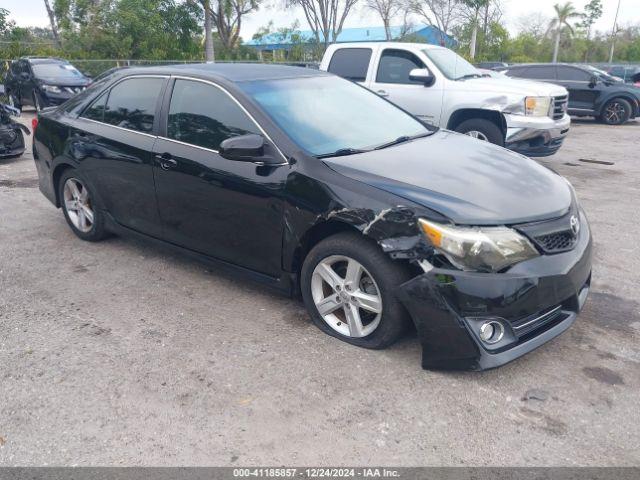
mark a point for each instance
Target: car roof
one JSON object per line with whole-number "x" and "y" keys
{"x": 427, "y": 46}
{"x": 233, "y": 72}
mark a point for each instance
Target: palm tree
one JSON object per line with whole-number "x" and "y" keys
{"x": 564, "y": 13}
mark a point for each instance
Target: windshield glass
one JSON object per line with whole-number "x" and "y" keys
{"x": 603, "y": 75}
{"x": 452, "y": 65}
{"x": 57, "y": 70}
{"x": 325, "y": 114}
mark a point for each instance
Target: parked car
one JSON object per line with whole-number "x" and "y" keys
{"x": 625, "y": 72}
{"x": 591, "y": 93}
{"x": 492, "y": 65}
{"x": 313, "y": 184}
{"x": 443, "y": 89}
{"x": 43, "y": 82}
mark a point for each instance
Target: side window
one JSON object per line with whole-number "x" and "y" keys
{"x": 541, "y": 73}
{"x": 395, "y": 65}
{"x": 570, "y": 74}
{"x": 351, "y": 63}
{"x": 132, "y": 104}
{"x": 203, "y": 115}
{"x": 516, "y": 72}
{"x": 96, "y": 110}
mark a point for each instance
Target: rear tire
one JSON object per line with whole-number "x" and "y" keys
{"x": 382, "y": 318}
{"x": 79, "y": 207}
{"x": 482, "y": 129}
{"x": 616, "y": 111}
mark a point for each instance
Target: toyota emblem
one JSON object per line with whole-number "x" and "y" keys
{"x": 574, "y": 224}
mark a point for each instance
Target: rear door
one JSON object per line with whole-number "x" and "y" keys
{"x": 113, "y": 142}
{"x": 231, "y": 210}
{"x": 391, "y": 80}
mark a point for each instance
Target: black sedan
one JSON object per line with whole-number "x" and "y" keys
{"x": 314, "y": 185}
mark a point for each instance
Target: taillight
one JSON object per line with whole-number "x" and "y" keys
{"x": 34, "y": 124}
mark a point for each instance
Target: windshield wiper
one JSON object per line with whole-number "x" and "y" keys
{"x": 402, "y": 139}
{"x": 469, "y": 75}
{"x": 341, "y": 152}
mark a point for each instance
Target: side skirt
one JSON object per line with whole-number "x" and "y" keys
{"x": 284, "y": 285}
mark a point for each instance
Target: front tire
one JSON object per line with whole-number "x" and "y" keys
{"x": 482, "y": 129}
{"x": 347, "y": 286}
{"x": 79, "y": 207}
{"x": 616, "y": 112}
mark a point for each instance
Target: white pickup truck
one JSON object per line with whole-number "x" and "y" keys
{"x": 441, "y": 88}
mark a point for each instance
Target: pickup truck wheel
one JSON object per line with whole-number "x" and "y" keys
{"x": 616, "y": 112}
{"x": 482, "y": 130}
{"x": 348, "y": 286}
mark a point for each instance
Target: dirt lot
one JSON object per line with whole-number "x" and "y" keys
{"x": 120, "y": 353}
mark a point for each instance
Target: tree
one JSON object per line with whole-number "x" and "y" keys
{"x": 387, "y": 9}
{"x": 564, "y": 13}
{"x": 54, "y": 25}
{"x": 592, "y": 12}
{"x": 473, "y": 11}
{"x": 227, "y": 16}
{"x": 209, "y": 54}
{"x": 325, "y": 17}
{"x": 441, "y": 14}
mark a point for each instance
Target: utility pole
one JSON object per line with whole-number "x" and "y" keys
{"x": 614, "y": 31}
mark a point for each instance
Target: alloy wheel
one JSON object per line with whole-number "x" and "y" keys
{"x": 477, "y": 134}
{"x": 614, "y": 113}
{"x": 346, "y": 296}
{"x": 77, "y": 203}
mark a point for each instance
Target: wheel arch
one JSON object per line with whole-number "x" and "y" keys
{"x": 55, "y": 178}
{"x": 624, "y": 96}
{"x": 464, "y": 114}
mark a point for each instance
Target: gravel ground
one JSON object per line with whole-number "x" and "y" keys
{"x": 120, "y": 353}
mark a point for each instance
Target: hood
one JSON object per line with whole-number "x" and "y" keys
{"x": 508, "y": 85}
{"x": 467, "y": 180}
{"x": 65, "y": 82}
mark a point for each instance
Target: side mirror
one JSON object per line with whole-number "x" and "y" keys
{"x": 245, "y": 148}
{"x": 593, "y": 81}
{"x": 422, "y": 75}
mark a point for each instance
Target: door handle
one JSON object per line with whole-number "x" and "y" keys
{"x": 166, "y": 162}
{"x": 382, "y": 93}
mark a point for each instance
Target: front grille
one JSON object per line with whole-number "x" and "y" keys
{"x": 557, "y": 242}
{"x": 559, "y": 107}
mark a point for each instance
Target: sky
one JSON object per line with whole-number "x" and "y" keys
{"x": 33, "y": 13}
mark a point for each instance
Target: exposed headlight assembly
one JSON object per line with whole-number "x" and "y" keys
{"x": 483, "y": 249}
{"x": 51, "y": 89}
{"x": 537, "y": 106}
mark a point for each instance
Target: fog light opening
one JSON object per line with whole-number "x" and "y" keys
{"x": 491, "y": 332}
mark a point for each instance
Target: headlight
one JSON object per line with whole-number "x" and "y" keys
{"x": 51, "y": 89}
{"x": 537, "y": 106}
{"x": 485, "y": 249}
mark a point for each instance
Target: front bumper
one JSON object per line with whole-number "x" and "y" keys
{"x": 536, "y": 136}
{"x": 14, "y": 148}
{"x": 536, "y": 300}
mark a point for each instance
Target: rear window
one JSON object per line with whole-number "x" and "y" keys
{"x": 351, "y": 63}
{"x": 541, "y": 73}
{"x": 132, "y": 104}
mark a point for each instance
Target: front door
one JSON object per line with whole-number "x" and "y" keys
{"x": 227, "y": 209}
{"x": 582, "y": 93}
{"x": 391, "y": 80}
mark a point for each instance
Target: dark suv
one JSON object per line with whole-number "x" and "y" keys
{"x": 42, "y": 82}
{"x": 591, "y": 91}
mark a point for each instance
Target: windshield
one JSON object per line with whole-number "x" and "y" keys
{"x": 452, "y": 65}
{"x": 327, "y": 114}
{"x": 57, "y": 70}
{"x": 603, "y": 75}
